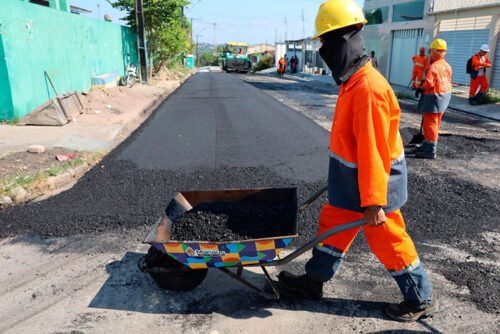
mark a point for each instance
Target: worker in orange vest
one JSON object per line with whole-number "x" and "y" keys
{"x": 436, "y": 96}
{"x": 420, "y": 64}
{"x": 480, "y": 63}
{"x": 367, "y": 179}
{"x": 282, "y": 66}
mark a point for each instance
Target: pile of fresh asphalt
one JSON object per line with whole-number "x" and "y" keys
{"x": 234, "y": 221}
{"x": 456, "y": 146}
{"x": 117, "y": 196}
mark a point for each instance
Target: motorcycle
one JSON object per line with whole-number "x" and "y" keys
{"x": 130, "y": 75}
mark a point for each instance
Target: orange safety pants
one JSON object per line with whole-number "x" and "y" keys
{"x": 480, "y": 81}
{"x": 416, "y": 78}
{"x": 431, "y": 124}
{"x": 389, "y": 242}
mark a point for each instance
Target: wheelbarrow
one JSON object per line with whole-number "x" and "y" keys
{"x": 183, "y": 265}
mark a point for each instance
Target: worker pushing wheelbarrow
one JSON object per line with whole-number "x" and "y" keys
{"x": 367, "y": 186}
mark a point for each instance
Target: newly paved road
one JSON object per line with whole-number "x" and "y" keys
{"x": 217, "y": 120}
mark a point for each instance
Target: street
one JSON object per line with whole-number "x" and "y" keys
{"x": 69, "y": 262}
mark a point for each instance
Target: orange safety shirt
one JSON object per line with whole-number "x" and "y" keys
{"x": 480, "y": 63}
{"x": 420, "y": 62}
{"x": 367, "y": 163}
{"x": 282, "y": 63}
{"x": 437, "y": 88}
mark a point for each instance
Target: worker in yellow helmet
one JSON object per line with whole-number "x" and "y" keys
{"x": 436, "y": 96}
{"x": 367, "y": 179}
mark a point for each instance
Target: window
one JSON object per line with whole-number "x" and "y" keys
{"x": 409, "y": 11}
{"x": 377, "y": 15}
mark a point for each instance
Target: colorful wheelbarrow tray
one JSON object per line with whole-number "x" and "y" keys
{"x": 200, "y": 255}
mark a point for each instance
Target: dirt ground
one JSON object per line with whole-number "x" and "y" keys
{"x": 70, "y": 279}
{"x": 30, "y": 163}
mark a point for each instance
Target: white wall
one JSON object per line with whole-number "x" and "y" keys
{"x": 446, "y": 5}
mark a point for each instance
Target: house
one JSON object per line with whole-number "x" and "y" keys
{"x": 396, "y": 29}
{"x": 307, "y": 51}
{"x": 260, "y": 48}
{"x": 73, "y": 9}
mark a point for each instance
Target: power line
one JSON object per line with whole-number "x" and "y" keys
{"x": 194, "y": 5}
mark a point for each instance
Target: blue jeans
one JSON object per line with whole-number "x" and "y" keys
{"x": 412, "y": 281}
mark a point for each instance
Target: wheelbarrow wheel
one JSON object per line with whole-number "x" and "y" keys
{"x": 180, "y": 278}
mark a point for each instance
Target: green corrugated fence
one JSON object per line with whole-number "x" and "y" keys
{"x": 71, "y": 48}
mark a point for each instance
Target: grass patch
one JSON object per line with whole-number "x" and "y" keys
{"x": 492, "y": 96}
{"x": 405, "y": 95}
{"x": 30, "y": 181}
{"x": 10, "y": 122}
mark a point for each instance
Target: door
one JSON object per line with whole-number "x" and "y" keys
{"x": 495, "y": 77}
{"x": 405, "y": 44}
{"x": 464, "y": 38}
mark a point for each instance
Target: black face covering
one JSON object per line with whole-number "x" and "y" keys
{"x": 344, "y": 53}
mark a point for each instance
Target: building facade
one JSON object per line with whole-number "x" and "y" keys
{"x": 396, "y": 29}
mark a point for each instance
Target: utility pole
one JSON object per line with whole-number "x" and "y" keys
{"x": 286, "y": 29}
{"x": 192, "y": 27}
{"x": 141, "y": 40}
{"x": 196, "y": 52}
{"x": 215, "y": 42}
{"x": 303, "y": 25}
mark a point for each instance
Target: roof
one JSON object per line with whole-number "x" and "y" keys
{"x": 237, "y": 44}
{"x": 74, "y": 9}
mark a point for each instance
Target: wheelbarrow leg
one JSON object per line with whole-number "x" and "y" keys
{"x": 239, "y": 277}
{"x": 271, "y": 282}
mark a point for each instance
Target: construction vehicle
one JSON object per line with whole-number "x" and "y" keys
{"x": 235, "y": 58}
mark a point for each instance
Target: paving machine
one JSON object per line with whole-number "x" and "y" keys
{"x": 235, "y": 58}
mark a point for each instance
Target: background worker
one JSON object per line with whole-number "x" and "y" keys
{"x": 420, "y": 64}
{"x": 436, "y": 96}
{"x": 480, "y": 63}
{"x": 281, "y": 66}
{"x": 367, "y": 174}
{"x": 373, "y": 59}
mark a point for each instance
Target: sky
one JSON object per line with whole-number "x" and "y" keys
{"x": 253, "y": 21}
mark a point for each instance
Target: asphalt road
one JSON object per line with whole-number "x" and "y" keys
{"x": 217, "y": 121}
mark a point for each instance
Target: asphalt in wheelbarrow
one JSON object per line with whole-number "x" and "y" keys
{"x": 234, "y": 221}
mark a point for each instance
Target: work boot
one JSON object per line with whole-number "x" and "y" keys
{"x": 303, "y": 285}
{"x": 403, "y": 312}
{"x": 421, "y": 154}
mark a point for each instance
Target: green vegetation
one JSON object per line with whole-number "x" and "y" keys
{"x": 13, "y": 121}
{"x": 492, "y": 96}
{"x": 208, "y": 59}
{"x": 30, "y": 181}
{"x": 265, "y": 63}
{"x": 166, "y": 28}
{"x": 405, "y": 95}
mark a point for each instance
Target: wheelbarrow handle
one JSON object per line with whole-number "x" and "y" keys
{"x": 314, "y": 242}
{"x": 311, "y": 199}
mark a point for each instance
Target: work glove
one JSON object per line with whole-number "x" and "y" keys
{"x": 418, "y": 92}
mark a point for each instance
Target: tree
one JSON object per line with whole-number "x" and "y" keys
{"x": 208, "y": 59}
{"x": 167, "y": 30}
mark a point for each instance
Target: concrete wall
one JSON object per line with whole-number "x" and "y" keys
{"x": 71, "y": 48}
{"x": 449, "y": 5}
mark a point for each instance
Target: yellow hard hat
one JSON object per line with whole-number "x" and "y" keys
{"x": 438, "y": 44}
{"x": 337, "y": 14}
